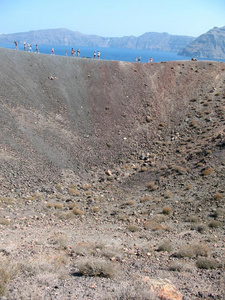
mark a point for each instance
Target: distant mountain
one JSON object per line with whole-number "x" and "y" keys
{"x": 208, "y": 45}
{"x": 151, "y": 40}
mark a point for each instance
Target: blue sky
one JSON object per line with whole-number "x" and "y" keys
{"x": 113, "y": 18}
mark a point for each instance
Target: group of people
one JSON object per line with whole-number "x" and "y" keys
{"x": 139, "y": 59}
{"x": 98, "y": 54}
{"x": 26, "y": 47}
{"x": 73, "y": 52}
{"x": 77, "y": 53}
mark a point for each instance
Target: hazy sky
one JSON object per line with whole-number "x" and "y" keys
{"x": 113, "y": 17}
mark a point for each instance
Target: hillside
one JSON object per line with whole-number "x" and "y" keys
{"x": 208, "y": 45}
{"x": 112, "y": 178}
{"x": 151, "y": 40}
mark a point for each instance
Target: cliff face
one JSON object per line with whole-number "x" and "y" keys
{"x": 208, "y": 45}
{"x": 151, "y": 40}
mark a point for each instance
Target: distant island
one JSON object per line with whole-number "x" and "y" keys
{"x": 208, "y": 45}
{"x": 148, "y": 41}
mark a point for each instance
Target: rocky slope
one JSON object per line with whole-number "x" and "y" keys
{"x": 208, "y": 45}
{"x": 112, "y": 178}
{"x": 151, "y": 40}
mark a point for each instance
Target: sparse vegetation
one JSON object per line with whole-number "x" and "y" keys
{"x": 4, "y": 221}
{"x": 193, "y": 250}
{"x": 166, "y": 246}
{"x": 133, "y": 228}
{"x": 77, "y": 211}
{"x": 215, "y": 224}
{"x": 167, "y": 210}
{"x": 4, "y": 279}
{"x": 207, "y": 263}
{"x": 96, "y": 267}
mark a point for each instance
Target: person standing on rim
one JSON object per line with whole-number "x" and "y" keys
{"x": 36, "y": 50}
{"x": 94, "y": 54}
{"x": 99, "y": 54}
{"x": 16, "y": 45}
{"x": 78, "y": 52}
{"x": 53, "y": 51}
{"x": 73, "y": 52}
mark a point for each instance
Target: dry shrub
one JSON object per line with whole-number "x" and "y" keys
{"x": 151, "y": 186}
{"x": 133, "y": 228}
{"x": 166, "y": 246}
{"x": 159, "y": 218}
{"x": 220, "y": 212}
{"x": 73, "y": 192}
{"x": 199, "y": 227}
{"x": 129, "y": 203}
{"x": 175, "y": 266}
{"x": 206, "y": 263}
{"x": 180, "y": 170}
{"x": 6, "y": 200}
{"x": 4, "y": 279}
{"x": 193, "y": 219}
{"x": 189, "y": 187}
{"x": 59, "y": 187}
{"x": 95, "y": 209}
{"x": 66, "y": 215}
{"x": 132, "y": 291}
{"x": 195, "y": 250}
{"x": 215, "y": 224}
{"x": 207, "y": 171}
{"x": 77, "y": 211}
{"x": 55, "y": 205}
{"x": 96, "y": 249}
{"x": 160, "y": 228}
{"x": 59, "y": 241}
{"x": 38, "y": 196}
{"x": 143, "y": 169}
{"x": 167, "y": 210}
{"x": 4, "y": 221}
{"x": 217, "y": 196}
{"x": 167, "y": 194}
{"x": 146, "y": 198}
{"x": 86, "y": 187}
{"x": 96, "y": 267}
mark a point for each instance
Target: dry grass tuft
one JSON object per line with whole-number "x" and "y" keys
{"x": 133, "y": 228}
{"x": 151, "y": 186}
{"x": 206, "y": 263}
{"x": 96, "y": 267}
{"x": 77, "y": 211}
{"x": 195, "y": 250}
{"x": 55, "y": 205}
{"x": 166, "y": 246}
{"x": 167, "y": 194}
{"x": 73, "y": 192}
{"x": 217, "y": 196}
{"x": 167, "y": 210}
{"x": 146, "y": 199}
{"x": 4, "y": 221}
{"x": 215, "y": 224}
{"x": 207, "y": 171}
{"x": 132, "y": 291}
{"x": 199, "y": 227}
{"x": 4, "y": 279}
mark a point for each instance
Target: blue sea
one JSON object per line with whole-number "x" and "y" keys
{"x": 116, "y": 54}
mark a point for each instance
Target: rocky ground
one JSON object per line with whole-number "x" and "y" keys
{"x": 112, "y": 179}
